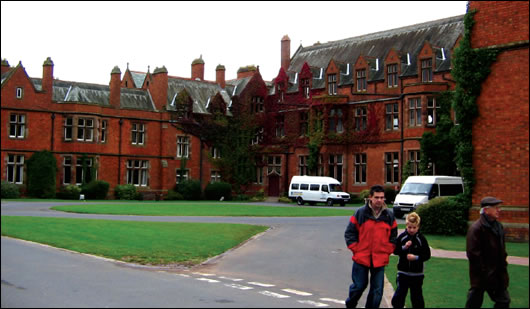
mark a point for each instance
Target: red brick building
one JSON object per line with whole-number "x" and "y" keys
{"x": 373, "y": 97}
{"x": 500, "y": 132}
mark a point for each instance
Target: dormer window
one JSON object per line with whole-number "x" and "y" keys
{"x": 19, "y": 92}
{"x": 361, "y": 80}
{"x": 332, "y": 84}
{"x": 426, "y": 70}
{"x": 305, "y": 87}
{"x": 392, "y": 75}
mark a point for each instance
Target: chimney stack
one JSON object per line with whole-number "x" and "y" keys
{"x": 247, "y": 71}
{"x": 47, "y": 76}
{"x": 286, "y": 52}
{"x": 115, "y": 87}
{"x": 159, "y": 87}
{"x": 197, "y": 69}
{"x": 220, "y": 76}
{"x": 5, "y": 66}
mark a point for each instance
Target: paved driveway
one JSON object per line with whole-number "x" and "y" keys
{"x": 298, "y": 262}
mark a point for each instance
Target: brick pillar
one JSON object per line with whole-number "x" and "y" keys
{"x": 115, "y": 87}
{"x": 220, "y": 76}
{"x": 47, "y": 76}
{"x": 197, "y": 69}
{"x": 286, "y": 52}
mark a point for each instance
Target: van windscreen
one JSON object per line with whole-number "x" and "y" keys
{"x": 335, "y": 188}
{"x": 450, "y": 189}
{"x": 416, "y": 188}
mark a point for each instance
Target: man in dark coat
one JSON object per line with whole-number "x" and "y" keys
{"x": 486, "y": 252}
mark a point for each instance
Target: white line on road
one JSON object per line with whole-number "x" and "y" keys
{"x": 267, "y": 293}
{"x": 313, "y": 303}
{"x": 239, "y": 286}
{"x": 297, "y": 292}
{"x": 261, "y": 284}
{"x": 231, "y": 279}
{"x": 206, "y": 275}
{"x": 208, "y": 280}
{"x": 183, "y": 275}
{"x": 333, "y": 300}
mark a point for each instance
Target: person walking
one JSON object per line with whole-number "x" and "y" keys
{"x": 413, "y": 249}
{"x": 486, "y": 252}
{"x": 371, "y": 236}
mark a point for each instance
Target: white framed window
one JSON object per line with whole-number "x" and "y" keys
{"x": 17, "y": 126}
{"x": 83, "y": 174}
{"x": 68, "y": 128}
{"x": 303, "y": 169}
{"x": 391, "y": 167}
{"x": 415, "y": 112}
{"x": 183, "y": 146}
{"x": 361, "y": 80}
{"x": 335, "y": 166}
{"x": 182, "y": 175}
{"x": 432, "y": 112}
{"x": 215, "y": 152}
{"x": 137, "y": 172}
{"x": 332, "y": 84}
{"x": 67, "y": 170}
{"x": 137, "y": 133}
{"x": 19, "y": 93}
{"x": 85, "y": 129}
{"x": 305, "y": 87}
{"x": 392, "y": 70}
{"x": 103, "y": 132}
{"x": 392, "y": 117}
{"x": 15, "y": 168}
{"x": 259, "y": 175}
{"x": 258, "y": 136}
{"x": 274, "y": 164}
{"x": 215, "y": 176}
{"x": 426, "y": 70}
{"x": 336, "y": 120}
{"x": 360, "y": 119}
{"x": 414, "y": 158}
{"x": 360, "y": 168}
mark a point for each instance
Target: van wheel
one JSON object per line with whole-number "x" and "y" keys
{"x": 299, "y": 201}
{"x": 329, "y": 202}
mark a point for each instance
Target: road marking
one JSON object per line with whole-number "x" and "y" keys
{"x": 208, "y": 280}
{"x": 272, "y": 294}
{"x": 297, "y": 292}
{"x": 261, "y": 284}
{"x": 333, "y": 300}
{"x": 206, "y": 275}
{"x": 313, "y": 303}
{"x": 183, "y": 275}
{"x": 239, "y": 286}
{"x": 231, "y": 279}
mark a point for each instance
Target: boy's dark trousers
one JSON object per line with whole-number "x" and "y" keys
{"x": 405, "y": 282}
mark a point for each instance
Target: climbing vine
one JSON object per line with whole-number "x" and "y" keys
{"x": 470, "y": 69}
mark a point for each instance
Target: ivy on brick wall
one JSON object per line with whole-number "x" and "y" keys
{"x": 470, "y": 69}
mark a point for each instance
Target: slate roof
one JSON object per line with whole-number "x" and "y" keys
{"x": 138, "y": 78}
{"x": 440, "y": 34}
{"x": 200, "y": 92}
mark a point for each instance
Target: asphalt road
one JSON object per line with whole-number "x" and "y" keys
{"x": 298, "y": 262}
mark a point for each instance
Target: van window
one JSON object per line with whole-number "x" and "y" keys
{"x": 304, "y": 186}
{"x": 450, "y": 190}
{"x": 416, "y": 188}
{"x": 325, "y": 188}
{"x": 295, "y": 186}
{"x": 315, "y": 187}
{"x": 335, "y": 188}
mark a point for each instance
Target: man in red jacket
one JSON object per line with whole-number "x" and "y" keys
{"x": 371, "y": 236}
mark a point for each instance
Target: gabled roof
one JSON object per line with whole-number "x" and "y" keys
{"x": 200, "y": 92}
{"x": 441, "y": 33}
{"x": 138, "y": 78}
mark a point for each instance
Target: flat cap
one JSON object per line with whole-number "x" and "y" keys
{"x": 489, "y": 201}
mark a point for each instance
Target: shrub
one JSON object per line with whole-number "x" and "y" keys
{"x": 355, "y": 199}
{"x": 364, "y": 195}
{"x": 284, "y": 199}
{"x": 10, "y": 190}
{"x": 241, "y": 197}
{"x": 173, "y": 196}
{"x": 42, "y": 168}
{"x": 190, "y": 189}
{"x": 216, "y": 190}
{"x": 69, "y": 192}
{"x": 444, "y": 216}
{"x": 95, "y": 190}
{"x": 390, "y": 195}
{"x": 125, "y": 192}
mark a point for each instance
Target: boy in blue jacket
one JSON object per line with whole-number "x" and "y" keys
{"x": 412, "y": 249}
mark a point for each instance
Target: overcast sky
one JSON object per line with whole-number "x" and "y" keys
{"x": 87, "y": 39}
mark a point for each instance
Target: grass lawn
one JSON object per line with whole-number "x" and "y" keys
{"x": 155, "y": 243}
{"x": 458, "y": 243}
{"x": 447, "y": 282}
{"x": 202, "y": 209}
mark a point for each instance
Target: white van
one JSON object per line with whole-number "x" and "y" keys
{"x": 419, "y": 190}
{"x": 314, "y": 189}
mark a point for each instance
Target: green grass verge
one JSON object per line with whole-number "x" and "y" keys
{"x": 203, "y": 209}
{"x": 154, "y": 243}
{"x": 447, "y": 282}
{"x": 458, "y": 243}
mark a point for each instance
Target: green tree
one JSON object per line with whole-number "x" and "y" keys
{"x": 42, "y": 171}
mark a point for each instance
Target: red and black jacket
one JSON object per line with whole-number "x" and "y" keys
{"x": 371, "y": 240}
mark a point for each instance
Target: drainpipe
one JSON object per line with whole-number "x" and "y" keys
{"x": 119, "y": 152}
{"x": 402, "y": 133}
{"x": 52, "y": 135}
